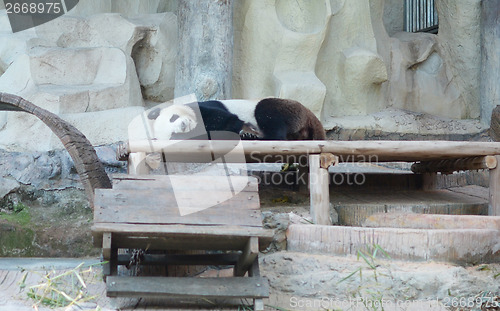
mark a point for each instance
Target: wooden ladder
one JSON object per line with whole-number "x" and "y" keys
{"x": 142, "y": 212}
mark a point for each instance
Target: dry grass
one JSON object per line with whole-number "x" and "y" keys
{"x": 66, "y": 289}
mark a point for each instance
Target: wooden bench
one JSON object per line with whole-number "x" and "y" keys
{"x": 145, "y": 212}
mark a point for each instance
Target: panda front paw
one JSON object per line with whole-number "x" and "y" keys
{"x": 248, "y": 136}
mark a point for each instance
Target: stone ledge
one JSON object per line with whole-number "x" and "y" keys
{"x": 461, "y": 246}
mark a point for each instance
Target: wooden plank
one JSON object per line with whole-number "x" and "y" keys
{"x": 450, "y": 166}
{"x": 182, "y": 182}
{"x": 182, "y": 230}
{"x": 183, "y": 259}
{"x": 381, "y": 151}
{"x": 319, "y": 191}
{"x": 180, "y": 236}
{"x": 494, "y": 204}
{"x": 187, "y": 287}
{"x": 431, "y": 221}
{"x": 154, "y": 198}
{"x": 199, "y": 243}
{"x": 248, "y": 256}
{"x": 158, "y": 207}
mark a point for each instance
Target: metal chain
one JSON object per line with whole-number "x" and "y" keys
{"x": 136, "y": 257}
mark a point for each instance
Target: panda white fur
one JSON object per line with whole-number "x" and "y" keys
{"x": 161, "y": 122}
{"x": 172, "y": 120}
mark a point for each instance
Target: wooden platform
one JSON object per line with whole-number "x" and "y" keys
{"x": 164, "y": 213}
{"x": 429, "y": 158}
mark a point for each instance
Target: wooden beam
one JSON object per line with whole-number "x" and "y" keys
{"x": 184, "y": 259}
{"x": 429, "y": 181}
{"x": 258, "y": 303}
{"x": 494, "y": 206}
{"x": 181, "y": 237}
{"x": 187, "y": 287}
{"x": 248, "y": 256}
{"x": 182, "y": 182}
{"x": 450, "y": 166}
{"x": 367, "y": 151}
{"x": 181, "y": 230}
{"x": 319, "y": 191}
{"x": 137, "y": 163}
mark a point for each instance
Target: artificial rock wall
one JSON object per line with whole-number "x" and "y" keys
{"x": 100, "y": 65}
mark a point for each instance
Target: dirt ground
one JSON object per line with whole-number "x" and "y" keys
{"x": 297, "y": 281}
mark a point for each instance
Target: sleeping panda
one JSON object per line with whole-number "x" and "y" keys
{"x": 276, "y": 118}
{"x": 266, "y": 119}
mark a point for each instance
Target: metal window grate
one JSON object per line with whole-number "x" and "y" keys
{"x": 421, "y": 15}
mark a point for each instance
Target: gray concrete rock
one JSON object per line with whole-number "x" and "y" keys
{"x": 7, "y": 186}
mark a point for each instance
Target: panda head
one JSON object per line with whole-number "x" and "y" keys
{"x": 171, "y": 120}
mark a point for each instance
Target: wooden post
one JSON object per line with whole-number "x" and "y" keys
{"x": 490, "y": 69}
{"x": 247, "y": 257}
{"x": 319, "y": 191}
{"x": 429, "y": 181}
{"x": 258, "y": 303}
{"x": 494, "y": 206}
{"x": 110, "y": 254}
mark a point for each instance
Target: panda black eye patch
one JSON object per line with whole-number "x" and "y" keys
{"x": 153, "y": 114}
{"x": 174, "y": 117}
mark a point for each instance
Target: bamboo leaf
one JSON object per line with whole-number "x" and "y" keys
{"x": 350, "y": 275}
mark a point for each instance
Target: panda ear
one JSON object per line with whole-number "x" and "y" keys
{"x": 153, "y": 114}
{"x": 174, "y": 117}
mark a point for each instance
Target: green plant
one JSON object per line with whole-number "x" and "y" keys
{"x": 19, "y": 207}
{"x": 370, "y": 288}
{"x": 19, "y": 215}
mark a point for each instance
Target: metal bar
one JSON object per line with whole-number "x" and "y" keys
{"x": 406, "y": 15}
{"x": 420, "y": 15}
{"x": 414, "y": 15}
{"x": 428, "y": 13}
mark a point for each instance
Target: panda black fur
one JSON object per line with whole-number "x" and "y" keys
{"x": 217, "y": 118}
{"x": 276, "y": 118}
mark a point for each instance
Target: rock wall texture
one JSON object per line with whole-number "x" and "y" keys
{"x": 99, "y": 65}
